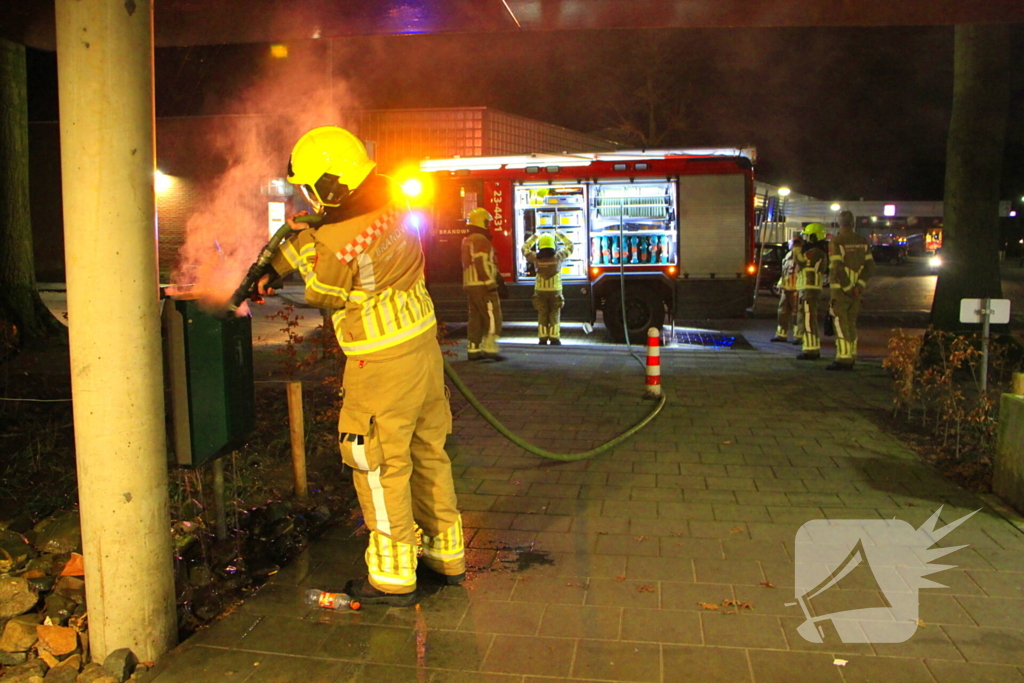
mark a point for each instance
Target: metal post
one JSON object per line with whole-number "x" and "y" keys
{"x": 986, "y": 312}
{"x": 105, "y": 73}
{"x": 219, "y": 510}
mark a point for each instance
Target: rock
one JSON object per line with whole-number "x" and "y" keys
{"x": 31, "y": 671}
{"x": 12, "y": 658}
{"x": 58, "y": 534}
{"x": 59, "y": 609}
{"x": 61, "y": 675}
{"x": 121, "y": 664}
{"x": 200, "y": 576}
{"x": 50, "y": 660}
{"x": 75, "y": 566}
{"x": 57, "y": 640}
{"x": 20, "y": 633}
{"x": 42, "y": 584}
{"x": 95, "y": 673}
{"x": 15, "y": 551}
{"x": 71, "y": 588}
{"x": 73, "y": 662}
{"x": 16, "y": 596}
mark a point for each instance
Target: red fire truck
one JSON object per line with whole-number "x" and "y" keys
{"x": 674, "y": 227}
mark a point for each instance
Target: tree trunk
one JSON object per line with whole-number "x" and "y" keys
{"x": 21, "y": 309}
{"x": 974, "y": 158}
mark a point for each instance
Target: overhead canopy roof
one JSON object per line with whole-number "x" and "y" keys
{"x": 210, "y": 22}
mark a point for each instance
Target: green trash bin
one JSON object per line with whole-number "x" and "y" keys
{"x": 212, "y": 406}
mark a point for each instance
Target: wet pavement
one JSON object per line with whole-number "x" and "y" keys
{"x": 605, "y": 569}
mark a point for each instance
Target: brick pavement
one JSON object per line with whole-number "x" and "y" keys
{"x": 593, "y": 570}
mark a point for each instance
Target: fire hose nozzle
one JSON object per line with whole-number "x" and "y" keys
{"x": 261, "y": 266}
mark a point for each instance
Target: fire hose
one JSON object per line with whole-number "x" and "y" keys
{"x": 260, "y": 267}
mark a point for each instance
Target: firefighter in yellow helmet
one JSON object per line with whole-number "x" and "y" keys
{"x": 480, "y": 280}
{"x": 364, "y": 263}
{"x": 547, "y": 287}
{"x": 789, "y": 310}
{"x": 852, "y": 265}
{"x": 810, "y": 256}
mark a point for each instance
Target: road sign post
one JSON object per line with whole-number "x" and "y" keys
{"x": 986, "y": 312}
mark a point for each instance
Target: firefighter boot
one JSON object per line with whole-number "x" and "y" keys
{"x": 474, "y": 352}
{"x": 555, "y": 341}
{"x": 542, "y": 341}
{"x": 362, "y": 590}
{"x": 489, "y": 348}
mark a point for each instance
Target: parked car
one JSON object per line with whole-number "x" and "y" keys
{"x": 889, "y": 253}
{"x": 771, "y": 264}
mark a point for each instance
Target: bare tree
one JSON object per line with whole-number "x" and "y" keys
{"x": 21, "y": 310}
{"x": 974, "y": 156}
{"x": 654, "y": 112}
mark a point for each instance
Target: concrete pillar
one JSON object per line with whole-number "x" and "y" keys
{"x": 105, "y": 70}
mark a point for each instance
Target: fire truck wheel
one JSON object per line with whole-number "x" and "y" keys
{"x": 645, "y": 309}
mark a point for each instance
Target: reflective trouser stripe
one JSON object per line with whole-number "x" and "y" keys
{"x": 391, "y": 564}
{"x": 448, "y": 545}
{"x": 809, "y": 320}
{"x": 549, "y": 313}
{"x": 845, "y": 307}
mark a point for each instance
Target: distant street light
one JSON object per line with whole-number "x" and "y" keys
{"x": 783, "y": 191}
{"x": 835, "y": 210}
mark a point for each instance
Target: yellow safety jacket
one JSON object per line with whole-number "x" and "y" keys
{"x": 368, "y": 271}
{"x": 852, "y": 264}
{"x": 549, "y": 270}
{"x": 810, "y": 266}
{"x": 479, "y": 264}
{"x": 788, "y": 279}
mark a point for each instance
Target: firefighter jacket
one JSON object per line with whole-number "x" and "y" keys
{"x": 549, "y": 269}
{"x": 850, "y": 260}
{"x": 788, "y": 279}
{"x": 811, "y": 263}
{"x": 479, "y": 264}
{"x": 368, "y": 270}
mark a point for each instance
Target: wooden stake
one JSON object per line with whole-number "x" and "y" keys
{"x": 298, "y": 434}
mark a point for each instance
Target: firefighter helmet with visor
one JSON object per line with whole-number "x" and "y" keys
{"x": 546, "y": 241}
{"x": 328, "y": 163}
{"x": 480, "y": 217}
{"x": 814, "y": 231}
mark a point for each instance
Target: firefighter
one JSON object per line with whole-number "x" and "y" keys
{"x": 481, "y": 280}
{"x": 851, "y": 266}
{"x": 788, "y": 310}
{"x": 811, "y": 261}
{"x": 365, "y": 265}
{"x": 547, "y": 287}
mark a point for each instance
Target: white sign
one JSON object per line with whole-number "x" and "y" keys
{"x": 970, "y": 311}
{"x": 889, "y": 555}
{"x": 275, "y": 216}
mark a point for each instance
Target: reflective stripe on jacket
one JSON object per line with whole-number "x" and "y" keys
{"x": 852, "y": 264}
{"x": 368, "y": 271}
{"x": 549, "y": 270}
{"x": 810, "y": 266}
{"x": 479, "y": 264}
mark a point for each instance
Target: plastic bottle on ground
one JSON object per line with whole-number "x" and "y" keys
{"x": 325, "y": 600}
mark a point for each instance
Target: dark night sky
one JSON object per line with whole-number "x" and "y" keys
{"x": 838, "y": 113}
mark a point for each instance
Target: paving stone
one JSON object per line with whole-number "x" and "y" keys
{"x": 705, "y": 664}
{"x": 778, "y": 667}
{"x": 550, "y": 589}
{"x": 490, "y": 616}
{"x": 986, "y": 645}
{"x": 996, "y": 584}
{"x": 742, "y": 630}
{"x": 192, "y": 664}
{"x": 581, "y": 621}
{"x": 657, "y": 494}
{"x": 659, "y": 568}
{"x": 930, "y": 642}
{"x": 503, "y": 538}
{"x": 863, "y": 669}
{"x": 727, "y": 571}
{"x": 656, "y": 527}
{"x": 530, "y": 655}
{"x": 606, "y": 660}
{"x": 623, "y": 593}
{"x": 691, "y": 547}
{"x": 662, "y": 626}
{"x": 710, "y": 496}
{"x": 557, "y": 523}
{"x": 972, "y": 672}
{"x": 520, "y": 504}
{"x": 688, "y": 511}
{"x": 740, "y": 513}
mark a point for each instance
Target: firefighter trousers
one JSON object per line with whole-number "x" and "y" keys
{"x": 484, "y": 320}
{"x": 549, "y": 313}
{"x": 787, "y": 315}
{"x": 392, "y": 429}
{"x": 808, "y": 321}
{"x": 845, "y": 309}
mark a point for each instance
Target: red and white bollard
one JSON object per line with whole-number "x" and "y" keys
{"x": 653, "y": 390}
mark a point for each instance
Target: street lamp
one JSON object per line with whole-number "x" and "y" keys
{"x": 835, "y": 210}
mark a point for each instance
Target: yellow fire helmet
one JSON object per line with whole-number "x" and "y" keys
{"x": 815, "y": 230}
{"x": 328, "y": 163}
{"x": 479, "y": 217}
{"x": 546, "y": 241}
